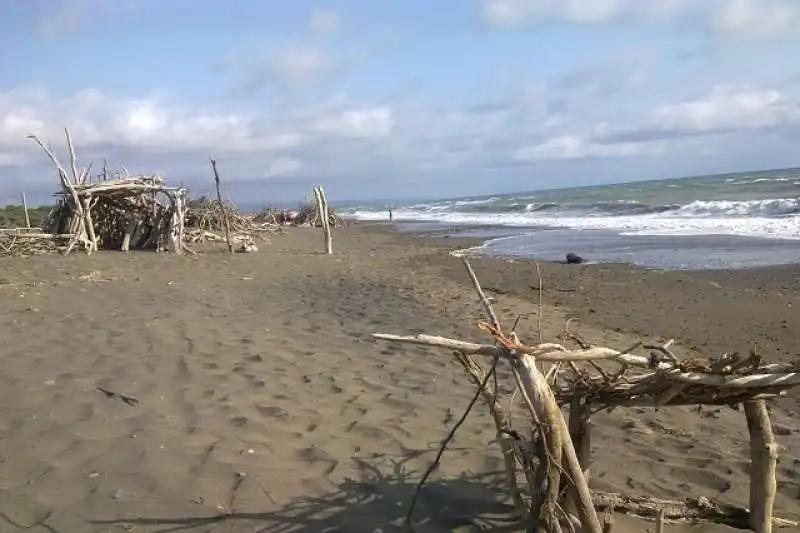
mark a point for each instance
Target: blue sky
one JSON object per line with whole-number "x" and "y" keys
{"x": 399, "y": 99}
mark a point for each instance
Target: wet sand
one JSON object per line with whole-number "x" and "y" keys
{"x": 262, "y": 404}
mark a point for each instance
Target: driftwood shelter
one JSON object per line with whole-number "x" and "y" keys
{"x": 113, "y": 210}
{"x": 547, "y": 462}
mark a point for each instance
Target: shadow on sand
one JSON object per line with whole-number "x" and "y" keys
{"x": 377, "y": 502}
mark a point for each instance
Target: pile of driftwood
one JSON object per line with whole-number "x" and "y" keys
{"x": 29, "y": 241}
{"x": 206, "y": 219}
{"x": 549, "y": 455}
{"x": 309, "y": 214}
{"x": 112, "y": 210}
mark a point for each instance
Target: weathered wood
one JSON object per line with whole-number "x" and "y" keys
{"x": 322, "y": 209}
{"x": 608, "y": 524}
{"x": 225, "y": 220}
{"x": 89, "y": 223}
{"x": 580, "y": 434}
{"x": 99, "y": 213}
{"x": 25, "y": 209}
{"x": 545, "y": 415}
{"x": 129, "y": 232}
{"x": 689, "y": 510}
{"x": 763, "y": 459}
{"x": 660, "y": 521}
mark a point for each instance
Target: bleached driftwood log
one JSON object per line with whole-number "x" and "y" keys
{"x": 557, "y": 352}
{"x": 25, "y": 210}
{"x": 543, "y": 512}
{"x": 690, "y": 510}
{"x": 322, "y": 209}
{"x": 763, "y": 461}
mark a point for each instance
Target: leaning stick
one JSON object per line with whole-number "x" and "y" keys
{"x": 535, "y": 389}
{"x": 225, "y": 222}
{"x": 542, "y": 352}
{"x": 491, "y": 399}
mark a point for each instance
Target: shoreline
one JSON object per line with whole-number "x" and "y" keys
{"x": 488, "y": 237}
{"x": 710, "y": 312}
{"x": 262, "y": 394}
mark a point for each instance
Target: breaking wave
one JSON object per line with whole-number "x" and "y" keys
{"x": 770, "y": 217}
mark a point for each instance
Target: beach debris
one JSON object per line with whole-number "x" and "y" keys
{"x": 129, "y": 400}
{"x": 550, "y": 454}
{"x": 111, "y": 210}
{"x": 574, "y": 259}
{"x": 115, "y": 210}
{"x": 247, "y": 247}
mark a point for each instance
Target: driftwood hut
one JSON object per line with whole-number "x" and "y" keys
{"x": 113, "y": 210}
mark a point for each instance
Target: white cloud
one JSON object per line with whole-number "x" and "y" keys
{"x": 756, "y": 18}
{"x": 727, "y": 108}
{"x": 324, "y": 22}
{"x": 283, "y": 167}
{"x": 151, "y": 127}
{"x": 515, "y": 12}
{"x": 65, "y": 17}
{"x": 337, "y": 140}
{"x": 732, "y": 18}
{"x": 299, "y": 65}
{"x": 577, "y": 147}
{"x": 145, "y": 123}
{"x": 358, "y": 123}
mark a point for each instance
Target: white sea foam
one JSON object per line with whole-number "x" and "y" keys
{"x": 712, "y": 222}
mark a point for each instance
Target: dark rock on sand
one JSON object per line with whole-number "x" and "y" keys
{"x": 574, "y": 259}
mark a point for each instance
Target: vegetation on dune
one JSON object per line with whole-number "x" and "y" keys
{"x": 13, "y": 216}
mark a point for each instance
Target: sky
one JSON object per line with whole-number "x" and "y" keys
{"x": 398, "y": 99}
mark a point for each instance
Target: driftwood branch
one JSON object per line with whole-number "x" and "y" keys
{"x": 225, "y": 220}
{"x": 25, "y": 209}
{"x": 546, "y": 414}
{"x": 322, "y": 209}
{"x": 690, "y": 510}
{"x": 763, "y": 459}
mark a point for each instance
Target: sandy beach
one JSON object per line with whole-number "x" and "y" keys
{"x": 245, "y": 394}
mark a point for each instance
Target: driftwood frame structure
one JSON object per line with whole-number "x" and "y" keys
{"x": 553, "y": 455}
{"x": 115, "y": 210}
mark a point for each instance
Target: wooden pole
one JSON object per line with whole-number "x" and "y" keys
{"x": 534, "y": 387}
{"x": 25, "y": 208}
{"x": 225, "y": 222}
{"x": 608, "y": 523}
{"x": 89, "y": 224}
{"x": 763, "y": 459}
{"x": 580, "y": 434}
{"x": 322, "y": 212}
{"x": 660, "y": 521}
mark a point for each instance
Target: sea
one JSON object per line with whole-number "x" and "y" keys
{"x": 730, "y": 221}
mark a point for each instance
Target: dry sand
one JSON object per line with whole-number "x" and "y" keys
{"x": 261, "y": 396}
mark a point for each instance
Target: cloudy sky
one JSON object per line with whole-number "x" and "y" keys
{"x": 400, "y": 99}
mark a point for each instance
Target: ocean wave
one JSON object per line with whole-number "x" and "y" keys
{"x": 771, "y": 218}
{"x": 770, "y": 207}
{"x": 766, "y": 227}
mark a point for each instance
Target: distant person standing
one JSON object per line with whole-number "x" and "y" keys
{"x": 390, "y": 214}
